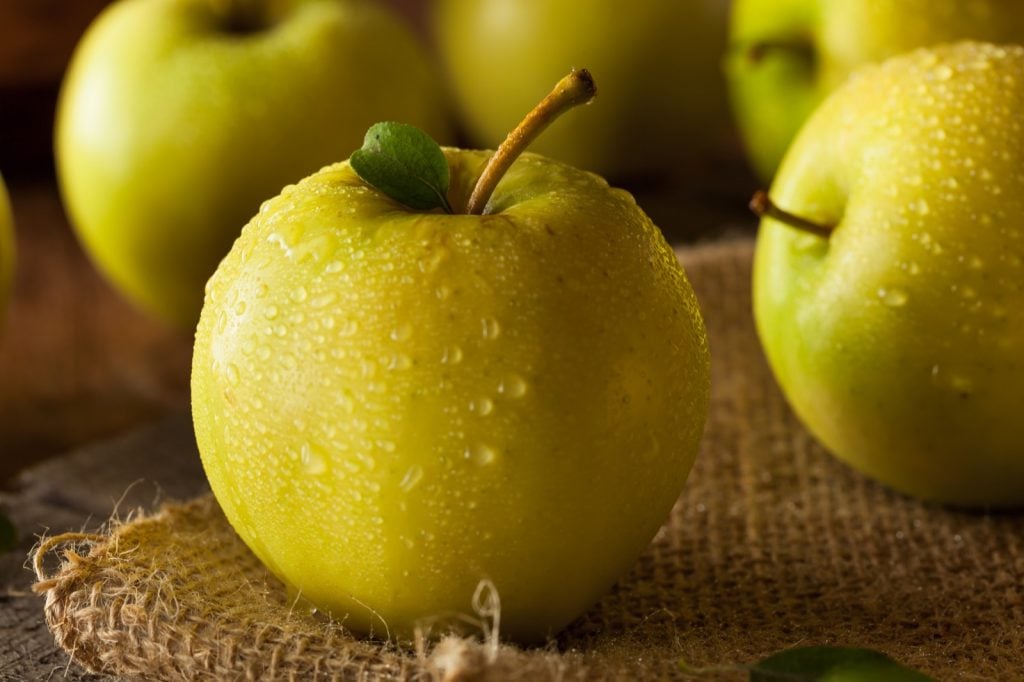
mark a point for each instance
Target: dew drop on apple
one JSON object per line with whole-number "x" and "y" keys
{"x": 490, "y": 328}
{"x": 451, "y": 355}
{"x": 399, "y": 362}
{"x": 313, "y": 462}
{"x": 401, "y": 333}
{"x": 432, "y": 262}
{"x": 894, "y": 297}
{"x": 482, "y": 406}
{"x": 411, "y": 478}
{"x": 513, "y": 386}
{"x": 481, "y": 454}
{"x": 349, "y": 327}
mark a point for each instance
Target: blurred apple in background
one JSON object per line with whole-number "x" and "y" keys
{"x": 898, "y": 333}
{"x": 502, "y": 55}
{"x": 178, "y": 117}
{"x": 787, "y": 55}
{"x": 6, "y": 250}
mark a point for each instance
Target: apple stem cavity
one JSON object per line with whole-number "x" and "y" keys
{"x": 244, "y": 16}
{"x": 763, "y": 207}
{"x": 755, "y": 53}
{"x": 573, "y": 90}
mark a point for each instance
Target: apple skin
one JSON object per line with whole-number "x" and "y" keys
{"x": 773, "y": 96}
{"x": 899, "y": 341}
{"x": 392, "y": 406}
{"x": 661, "y": 103}
{"x": 171, "y": 130}
{"x": 6, "y": 249}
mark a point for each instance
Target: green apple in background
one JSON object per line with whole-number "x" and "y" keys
{"x": 899, "y": 337}
{"x": 178, "y": 117}
{"x": 786, "y": 56}
{"x": 663, "y": 103}
{"x": 6, "y": 249}
{"x": 393, "y": 405}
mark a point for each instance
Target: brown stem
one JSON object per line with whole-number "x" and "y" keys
{"x": 575, "y": 89}
{"x": 762, "y": 205}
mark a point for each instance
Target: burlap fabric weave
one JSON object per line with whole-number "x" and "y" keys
{"x": 772, "y": 544}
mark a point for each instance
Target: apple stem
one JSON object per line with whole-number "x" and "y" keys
{"x": 575, "y": 89}
{"x": 762, "y": 205}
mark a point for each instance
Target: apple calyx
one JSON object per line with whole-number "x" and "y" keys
{"x": 763, "y": 207}
{"x": 245, "y": 16}
{"x": 571, "y": 91}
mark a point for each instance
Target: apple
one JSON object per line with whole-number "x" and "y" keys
{"x": 786, "y": 56}
{"x": 395, "y": 406}
{"x": 178, "y": 117}
{"x": 6, "y": 248}
{"x": 663, "y": 104}
{"x": 897, "y": 334}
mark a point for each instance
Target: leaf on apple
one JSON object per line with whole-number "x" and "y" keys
{"x": 8, "y": 536}
{"x": 821, "y": 663}
{"x": 404, "y": 163}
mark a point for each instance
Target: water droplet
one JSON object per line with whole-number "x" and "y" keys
{"x": 270, "y": 312}
{"x": 313, "y": 462}
{"x": 233, "y": 375}
{"x": 513, "y": 386}
{"x": 959, "y": 383}
{"x": 944, "y": 72}
{"x": 443, "y": 291}
{"x": 480, "y": 454}
{"x": 401, "y": 333}
{"x": 400, "y": 361}
{"x": 452, "y": 355}
{"x": 482, "y": 406}
{"x": 300, "y": 294}
{"x": 412, "y": 478}
{"x": 894, "y": 298}
{"x": 323, "y": 300}
{"x": 490, "y": 328}
{"x": 434, "y": 260}
{"x": 240, "y": 308}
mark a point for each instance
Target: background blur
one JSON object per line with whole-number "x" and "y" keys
{"x": 78, "y": 362}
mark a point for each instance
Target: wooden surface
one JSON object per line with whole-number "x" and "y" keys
{"x": 77, "y": 362}
{"x": 81, "y": 491}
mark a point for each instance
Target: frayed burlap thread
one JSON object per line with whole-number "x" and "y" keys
{"x": 772, "y": 544}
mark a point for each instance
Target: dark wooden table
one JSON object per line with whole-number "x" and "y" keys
{"x": 77, "y": 362}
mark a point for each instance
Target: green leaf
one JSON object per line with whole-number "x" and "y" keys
{"x": 832, "y": 664}
{"x": 8, "y": 535}
{"x": 404, "y": 163}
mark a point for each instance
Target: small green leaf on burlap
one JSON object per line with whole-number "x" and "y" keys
{"x": 832, "y": 664}
{"x": 404, "y": 163}
{"x": 8, "y": 535}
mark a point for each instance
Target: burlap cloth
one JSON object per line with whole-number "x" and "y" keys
{"x": 772, "y": 544}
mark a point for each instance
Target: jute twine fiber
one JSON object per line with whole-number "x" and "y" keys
{"x": 772, "y": 544}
